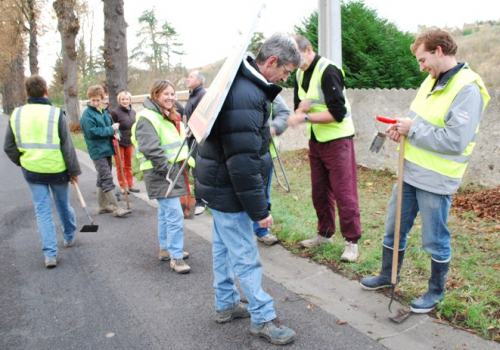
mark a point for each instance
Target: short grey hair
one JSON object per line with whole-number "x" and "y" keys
{"x": 302, "y": 42}
{"x": 281, "y": 46}
{"x": 200, "y": 76}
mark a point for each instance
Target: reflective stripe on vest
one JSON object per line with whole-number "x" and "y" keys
{"x": 431, "y": 108}
{"x": 36, "y": 131}
{"x": 330, "y": 131}
{"x": 170, "y": 139}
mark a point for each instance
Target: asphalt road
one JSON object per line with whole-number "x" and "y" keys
{"x": 110, "y": 291}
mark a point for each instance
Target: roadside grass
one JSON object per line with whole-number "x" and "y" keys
{"x": 472, "y": 299}
{"x": 79, "y": 141}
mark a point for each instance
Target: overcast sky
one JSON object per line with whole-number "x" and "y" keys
{"x": 209, "y": 28}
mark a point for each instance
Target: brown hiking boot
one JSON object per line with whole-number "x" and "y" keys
{"x": 164, "y": 255}
{"x": 179, "y": 266}
{"x": 239, "y": 310}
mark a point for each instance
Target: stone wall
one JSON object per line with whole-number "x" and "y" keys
{"x": 484, "y": 166}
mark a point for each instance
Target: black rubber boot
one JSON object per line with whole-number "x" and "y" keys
{"x": 383, "y": 280}
{"x": 427, "y": 302}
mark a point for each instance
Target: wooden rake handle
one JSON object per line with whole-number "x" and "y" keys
{"x": 80, "y": 197}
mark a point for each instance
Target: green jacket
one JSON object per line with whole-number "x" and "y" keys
{"x": 98, "y": 132}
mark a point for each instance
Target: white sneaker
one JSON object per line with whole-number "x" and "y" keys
{"x": 268, "y": 239}
{"x": 69, "y": 244}
{"x": 350, "y": 253}
{"x": 315, "y": 241}
{"x": 199, "y": 209}
{"x": 51, "y": 262}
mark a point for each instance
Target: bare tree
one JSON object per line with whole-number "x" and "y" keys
{"x": 68, "y": 26}
{"x": 115, "y": 49}
{"x": 11, "y": 57}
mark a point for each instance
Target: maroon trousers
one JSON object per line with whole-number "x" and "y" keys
{"x": 334, "y": 180}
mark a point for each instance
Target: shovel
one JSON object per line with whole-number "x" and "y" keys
{"x": 85, "y": 228}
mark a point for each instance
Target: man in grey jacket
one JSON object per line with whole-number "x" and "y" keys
{"x": 48, "y": 161}
{"x": 441, "y": 132}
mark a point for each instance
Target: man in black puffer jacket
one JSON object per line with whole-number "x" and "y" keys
{"x": 233, "y": 167}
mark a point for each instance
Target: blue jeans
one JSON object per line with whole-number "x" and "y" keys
{"x": 234, "y": 250}
{"x": 170, "y": 229}
{"x": 434, "y": 210}
{"x": 43, "y": 208}
{"x": 259, "y": 231}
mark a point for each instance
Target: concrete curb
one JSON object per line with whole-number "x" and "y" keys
{"x": 342, "y": 298}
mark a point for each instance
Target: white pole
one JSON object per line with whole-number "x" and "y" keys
{"x": 329, "y": 30}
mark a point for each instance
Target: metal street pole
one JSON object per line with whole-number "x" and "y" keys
{"x": 330, "y": 35}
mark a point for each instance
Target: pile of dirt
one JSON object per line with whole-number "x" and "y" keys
{"x": 484, "y": 204}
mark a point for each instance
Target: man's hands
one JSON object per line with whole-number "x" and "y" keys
{"x": 297, "y": 117}
{"x": 266, "y": 223}
{"x": 402, "y": 127}
{"x": 116, "y": 126}
{"x": 273, "y": 131}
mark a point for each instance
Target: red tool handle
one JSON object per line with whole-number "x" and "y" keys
{"x": 386, "y": 120}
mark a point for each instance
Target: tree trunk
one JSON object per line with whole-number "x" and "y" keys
{"x": 13, "y": 92}
{"x": 115, "y": 49}
{"x": 11, "y": 57}
{"x": 68, "y": 26}
{"x": 33, "y": 30}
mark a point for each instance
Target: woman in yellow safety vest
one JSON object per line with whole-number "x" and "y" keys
{"x": 157, "y": 136}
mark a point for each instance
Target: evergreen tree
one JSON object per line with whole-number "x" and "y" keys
{"x": 169, "y": 45}
{"x": 375, "y": 54}
{"x": 56, "y": 86}
{"x": 256, "y": 43}
{"x": 156, "y": 41}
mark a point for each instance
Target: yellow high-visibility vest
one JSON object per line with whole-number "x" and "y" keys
{"x": 170, "y": 139}
{"x": 433, "y": 108}
{"x": 333, "y": 130}
{"x": 36, "y": 131}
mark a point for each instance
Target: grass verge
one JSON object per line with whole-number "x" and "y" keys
{"x": 472, "y": 299}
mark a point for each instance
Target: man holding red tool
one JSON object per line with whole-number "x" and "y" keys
{"x": 441, "y": 132}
